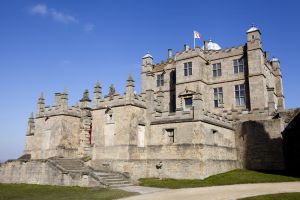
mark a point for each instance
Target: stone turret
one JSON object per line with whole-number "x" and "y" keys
{"x": 30, "y": 126}
{"x": 112, "y": 91}
{"x": 85, "y": 100}
{"x": 41, "y": 105}
{"x": 256, "y": 60}
{"x": 129, "y": 89}
{"x": 147, "y": 75}
{"x": 58, "y": 99}
{"x": 278, "y": 83}
{"x": 85, "y": 126}
{"x": 64, "y": 100}
{"x": 97, "y": 94}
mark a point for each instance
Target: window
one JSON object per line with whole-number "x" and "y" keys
{"x": 170, "y": 135}
{"x": 159, "y": 80}
{"x": 217, "y": 70}
{"x": 238, "y": 65}
{"x": 188, "y": 69}
{"x": 188, "y": 102}
{"x": 218, "y": 96}
{"x": 240, "y": 95}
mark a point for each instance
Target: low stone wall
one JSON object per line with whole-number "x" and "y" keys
{"x": 167, "y": 168}
{"x": 41, "y": 172}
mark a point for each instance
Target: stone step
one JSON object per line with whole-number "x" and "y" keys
{"x": 120, "y": 185}
{"x": 114, "y": 179}
{"x": 72, "y": 164}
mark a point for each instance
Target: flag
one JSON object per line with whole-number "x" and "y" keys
{"x": 196, "y": 35}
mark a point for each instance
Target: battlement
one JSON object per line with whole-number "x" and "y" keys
{"x": 56, "y": 110}
{"x": 60, "y": 108}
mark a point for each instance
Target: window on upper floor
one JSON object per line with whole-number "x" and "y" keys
{"x": 159, "y": 80}
{"x": 217, "y": 70}
{"x": 238, "y": 65}
{"x": 240, "y": 99}
{"x": 188, "y": 69}
{"x": 218, "y": 96}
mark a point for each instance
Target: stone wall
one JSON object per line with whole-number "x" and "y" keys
{"x": 259, "y": 144}
{"x": 41, "y": 172}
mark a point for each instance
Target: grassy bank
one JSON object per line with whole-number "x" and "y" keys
{"x": 285, "y": 196}
{"x": 229, "y": 178}
{"x": 45, "y": 192}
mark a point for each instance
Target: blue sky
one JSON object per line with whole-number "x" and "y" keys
{"x": 48, "y": 45}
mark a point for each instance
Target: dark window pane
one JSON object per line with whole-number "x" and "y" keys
{"x": 216, "y": 103}
{"x": 241, "y": 68}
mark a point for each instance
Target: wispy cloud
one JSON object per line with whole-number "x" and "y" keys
{"x": 42, "y": 9}
{"x": 39, "y": 9}
{"x": 63, "y": 18}
{"x": 89, "y": 27}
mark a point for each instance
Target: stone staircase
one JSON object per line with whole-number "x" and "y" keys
{"x": 113, "y": 179}
{"x": 73, "y": 165}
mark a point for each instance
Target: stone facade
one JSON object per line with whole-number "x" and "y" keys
{"x": 201, "y": 112}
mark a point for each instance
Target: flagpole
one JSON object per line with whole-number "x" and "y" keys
{"x": 194, "y": 39}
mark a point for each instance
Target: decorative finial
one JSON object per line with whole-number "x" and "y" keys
{"x": 31, "y": 115}
{"x": 42, "y": 95}
{"x": 85, "y": 96}
{"x": 130, "y": 78}
{"x": 65, "y": 90}
{"x": 112, "y": 90}
{"x": 98, "y": 84}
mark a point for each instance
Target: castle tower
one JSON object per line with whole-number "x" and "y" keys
{"x": 97, "y": 94}
{"x": 257, "y": 80}
{"x": 147, "y": 75}
{"x": 278, "y": 83}
{"x": 129, "y": 89}
{"x": 41, "y": 105}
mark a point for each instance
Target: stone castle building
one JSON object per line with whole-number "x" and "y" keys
{"x": 200, "y": 112}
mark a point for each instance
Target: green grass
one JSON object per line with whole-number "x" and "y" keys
{"x": 46, "y": 192}
{"x": 233, "y": 177}
{"x": 285, "y": 196}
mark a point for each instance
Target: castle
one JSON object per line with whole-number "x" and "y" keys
{"x": 200, "y": 112}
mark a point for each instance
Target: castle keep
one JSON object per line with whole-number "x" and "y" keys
{"x": 200, "y": 112}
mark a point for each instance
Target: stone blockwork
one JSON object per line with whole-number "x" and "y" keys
{"x": 201, "y": 112}
{"x": 41, "y": 172}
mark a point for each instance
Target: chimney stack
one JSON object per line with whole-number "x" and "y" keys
{"x": 205, "y": 45}
{"x": 170, "y": 54}
{"x": 186, "y": 47}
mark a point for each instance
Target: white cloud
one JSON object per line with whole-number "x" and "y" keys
{"x": 89, "y": 27}
{"x": 40, "y": 9}
{"x": 63, "y": 18}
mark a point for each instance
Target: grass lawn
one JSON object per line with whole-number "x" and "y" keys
{"x": 233, "y": 177}
{"x": 45, "y": 192}
{"x": 285, "y": 196}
